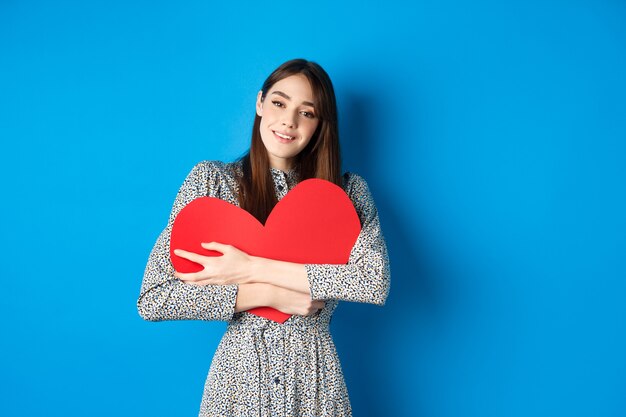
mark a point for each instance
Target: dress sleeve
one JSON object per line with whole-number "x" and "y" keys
{"x": 165, "y": 297}
{"x": 366, "y": 276}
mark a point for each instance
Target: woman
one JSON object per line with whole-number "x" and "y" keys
{"x": 261, "y": 367}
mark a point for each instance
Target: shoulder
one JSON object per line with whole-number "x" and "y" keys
{"x": 212, "y": 169}
{"x": 357, "y": 189}
{"x": 355, "y": 184}
{"x": 206, "y": 178}
{"x": 215, "y": 179}
{"x": 208, "y": 167}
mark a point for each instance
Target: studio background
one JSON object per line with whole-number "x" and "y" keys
{"x": 492, "y": 135}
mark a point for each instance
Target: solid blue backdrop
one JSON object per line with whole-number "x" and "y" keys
{"x": 492, "y": 135}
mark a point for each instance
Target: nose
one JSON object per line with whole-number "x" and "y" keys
{"x": 289, "y": 120}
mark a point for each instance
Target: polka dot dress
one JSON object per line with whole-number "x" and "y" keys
{"x": 262, "y": 368}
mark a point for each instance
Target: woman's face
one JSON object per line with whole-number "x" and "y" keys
{"x": 288, "y": 119}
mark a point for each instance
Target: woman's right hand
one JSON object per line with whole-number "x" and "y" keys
{"x": 288, "y": 301}
{"x": 294, "y": 302}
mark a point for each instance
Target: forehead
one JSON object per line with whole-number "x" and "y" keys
{"x": 297, "y": 87}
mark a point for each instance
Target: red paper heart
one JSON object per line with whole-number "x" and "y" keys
{"x": 315, "y": 223}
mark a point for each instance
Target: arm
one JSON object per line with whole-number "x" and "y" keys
{"x": 366, "y": 277}
{"x": 288, "y": 301}
{"x": 165, "y": 297}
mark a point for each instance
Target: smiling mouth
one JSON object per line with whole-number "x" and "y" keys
{"x": 283, "y": 136}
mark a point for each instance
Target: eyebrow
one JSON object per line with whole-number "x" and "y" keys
{"x": 280, "y": 93}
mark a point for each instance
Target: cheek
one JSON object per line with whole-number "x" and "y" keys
{"x": 311, "y": 128}
{"x": 269, "y": 111}
{"x": 266, "y": 120}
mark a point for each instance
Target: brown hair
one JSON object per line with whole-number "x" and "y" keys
{"x": 319, "y": 159}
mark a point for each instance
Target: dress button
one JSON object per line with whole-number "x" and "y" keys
{"x": 277, "y": 380}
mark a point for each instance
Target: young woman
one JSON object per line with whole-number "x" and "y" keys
{"x": 261, "y": 367}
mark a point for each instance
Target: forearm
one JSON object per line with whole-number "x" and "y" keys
{"x": 366, "y": 280}
{"x": 288, "y": 275}
{"x": 363, "y": 284}
{"x": 175, "y": 300}
{"x": 366, "y": 276}
{"x": 255, "y": 295}
{"x": 164, "y": 297}
{"x": 252, "y": 295}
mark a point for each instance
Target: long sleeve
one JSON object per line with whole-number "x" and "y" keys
{"x": 366, "y": 276}
{"x": 165, "y": 297}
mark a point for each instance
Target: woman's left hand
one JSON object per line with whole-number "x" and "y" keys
{"x": 233, "y": 267}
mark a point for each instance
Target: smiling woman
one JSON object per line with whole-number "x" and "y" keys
{"x": 289, "y": 121}
{"x": 262, "y": 367}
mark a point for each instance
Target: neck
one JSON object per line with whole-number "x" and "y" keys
{"x": 285, "y": 166}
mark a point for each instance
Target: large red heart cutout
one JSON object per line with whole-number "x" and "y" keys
{"x": 314, "y": 223}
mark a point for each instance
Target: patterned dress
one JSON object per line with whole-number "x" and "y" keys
{"x": 262, "y": 368}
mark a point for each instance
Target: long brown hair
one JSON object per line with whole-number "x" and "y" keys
{"x": 319, "y": 159}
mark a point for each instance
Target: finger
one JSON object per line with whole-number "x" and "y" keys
{"x": 189, "y": 276}
{"x": 205, "y": 282}
{"x": 216, "y": 246}
{"x": 190, "y": 255}
{"x": 200, "y": 283}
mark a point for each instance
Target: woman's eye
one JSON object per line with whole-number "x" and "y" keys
{"x": 277, "y": 103}
{"x": 308, "y": 114}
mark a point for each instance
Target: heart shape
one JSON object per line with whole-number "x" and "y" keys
{"x": 314, "y": 223}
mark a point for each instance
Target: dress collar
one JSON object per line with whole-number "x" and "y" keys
{"x": 291, "y": 174}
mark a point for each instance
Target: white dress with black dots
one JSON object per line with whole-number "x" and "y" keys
{"x": 263, "y": 368}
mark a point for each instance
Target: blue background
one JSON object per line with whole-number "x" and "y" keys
{"x": 492, "y": 135}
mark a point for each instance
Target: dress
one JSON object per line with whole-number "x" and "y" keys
{"x": 262, "y": 368}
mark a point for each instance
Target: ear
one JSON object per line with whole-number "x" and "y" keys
{"x": 259, "y": 104}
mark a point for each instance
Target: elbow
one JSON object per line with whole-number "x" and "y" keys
{"x": 380, "y": 297}
{"x": 381, "y": 293}
{"x": 371, "y": 294}
{"x": 147, "y": 315}
{"x": 148, "y": 309}
{"x": 380, "y": 300}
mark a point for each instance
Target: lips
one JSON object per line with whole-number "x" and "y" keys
{"x": 283, "y": 137}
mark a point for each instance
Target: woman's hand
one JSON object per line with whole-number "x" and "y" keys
{"x": 288, "y": 301}
{"x": 237, "y": 267}
{"x": 233, "y": 267}
{"x": 294, "y": 302}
